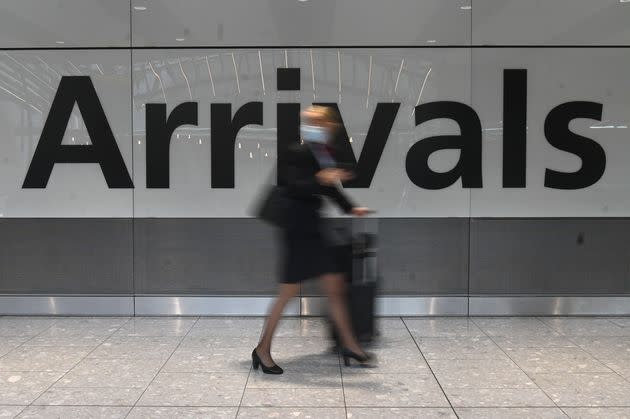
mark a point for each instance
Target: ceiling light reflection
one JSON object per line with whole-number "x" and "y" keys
{"x": 238, "y": 84}
{"x": 421, "y": 90}
{"x": 181, "y": 67}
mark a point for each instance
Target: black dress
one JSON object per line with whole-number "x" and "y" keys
{"x": 307, "y": 252}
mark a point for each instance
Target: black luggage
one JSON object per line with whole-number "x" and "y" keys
{"x": 358, "y": 261}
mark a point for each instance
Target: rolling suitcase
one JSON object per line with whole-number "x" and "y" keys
{"x": 357, "y": 259}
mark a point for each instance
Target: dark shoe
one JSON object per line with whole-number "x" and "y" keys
{"x": 364, "y": 360}
{"x": 274, "y": 369}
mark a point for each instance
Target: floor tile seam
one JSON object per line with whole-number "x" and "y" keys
{"x": 356, "y": 373}
{"x": 516, "y": 407}
{"x": 590, "y": 335}
{"x": 240, "y": 374}
{"x": 37, "y": 371}
{"x": 412, "y": 406}
{"x": 119, "y": 358}
{"x": 591, "y": 406}
{"x": 354, "y": 407}
{"x": 317, "y": 388}
{"x": 623, "y": 327}
{"x": 462, "y": 359}
{"x": 627, "y": 379}
{"x": 507, "y": 407}
{"x": 21, "y": 410}
{"x": 343, "y": 388}
{"x": 32, "y": 345}
{"x": 401, "y": 407}
{"x": 360, "y": 407}
{"x": 148, "y": 336}
{"x": 240, "y": 403}
{"x": 581, "y": 346}
{"x": 455, "y": 388}
{"x": 77, "y": 363}
{"x": 357, "y": 406}
{"x": 533, "y": 372}
{"x": 244, "y": 371}
{"x": 599, "y": 336}
{"x": 251, "y": 367}
{"x": 540, "y": 319}
{"x": 126, "y": 406}
{"x": 453, "y": 335}
{"x": 103, "y": 358}
{"x": 234, "y": 406}
{"x": 534, "y": 348}
{"x": 101, "y": 387}
{"x": 265, "y": 406}
{"x": 576, "y": 373}
{"x": 584, "y": 354}
{"x": 161, "y": 367}
{"x": 563, "y": 412}
{"x": 526, "y": 374}
{"x": 29, "y": 339}
{"x": 431, "y": 370}
{"x": 611, "y": 321}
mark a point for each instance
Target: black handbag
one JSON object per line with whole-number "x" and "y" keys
{"x": 273, "y": 208}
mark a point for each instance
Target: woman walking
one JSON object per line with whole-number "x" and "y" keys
{"x": 312, "y": 172}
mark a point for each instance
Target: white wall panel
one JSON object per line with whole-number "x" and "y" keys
{"x": 183, "y": 74}
{"x": 300, "y": 22}
{"x": 28, "y": 83}
{"x": 551, "y": 22}
{"x": 555, "y": 76}
{"x": 63, "y": 23}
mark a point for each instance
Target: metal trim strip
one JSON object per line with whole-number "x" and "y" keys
{"x": 63, "y": 305}
{"x": 208, "y": 306}
{"x": 550, "y": 306}
{"x": 168, "y": 305}
{"x": 399, "y": 306}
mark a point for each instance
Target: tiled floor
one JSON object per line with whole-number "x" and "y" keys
{"x": 428, "y": 368}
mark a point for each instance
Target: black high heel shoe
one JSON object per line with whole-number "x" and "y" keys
{"x": 256, "y": 361}
{"x": 364, "y": 360}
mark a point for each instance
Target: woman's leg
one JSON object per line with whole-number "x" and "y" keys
{"x": 286, "y": 292}
{"x": 335, "y": 287}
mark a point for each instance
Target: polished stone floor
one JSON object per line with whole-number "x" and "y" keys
{"x": 428, "y": 368}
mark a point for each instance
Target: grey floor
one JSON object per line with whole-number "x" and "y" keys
{"x": 428, "y": 367}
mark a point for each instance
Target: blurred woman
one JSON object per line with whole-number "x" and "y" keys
{"x": 312, "y": 172}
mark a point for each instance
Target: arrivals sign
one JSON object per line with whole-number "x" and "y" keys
{"x": 226, "y": 123}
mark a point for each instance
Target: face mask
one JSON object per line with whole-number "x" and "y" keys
{"x": 314, "y": 134}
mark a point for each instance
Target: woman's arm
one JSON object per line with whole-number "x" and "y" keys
{"x": 337, "y": 195}
{"x": 303, "y": 181}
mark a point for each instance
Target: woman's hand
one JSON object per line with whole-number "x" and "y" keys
{"x": 360, "y": 211}
{"x": 330, "y": 177}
